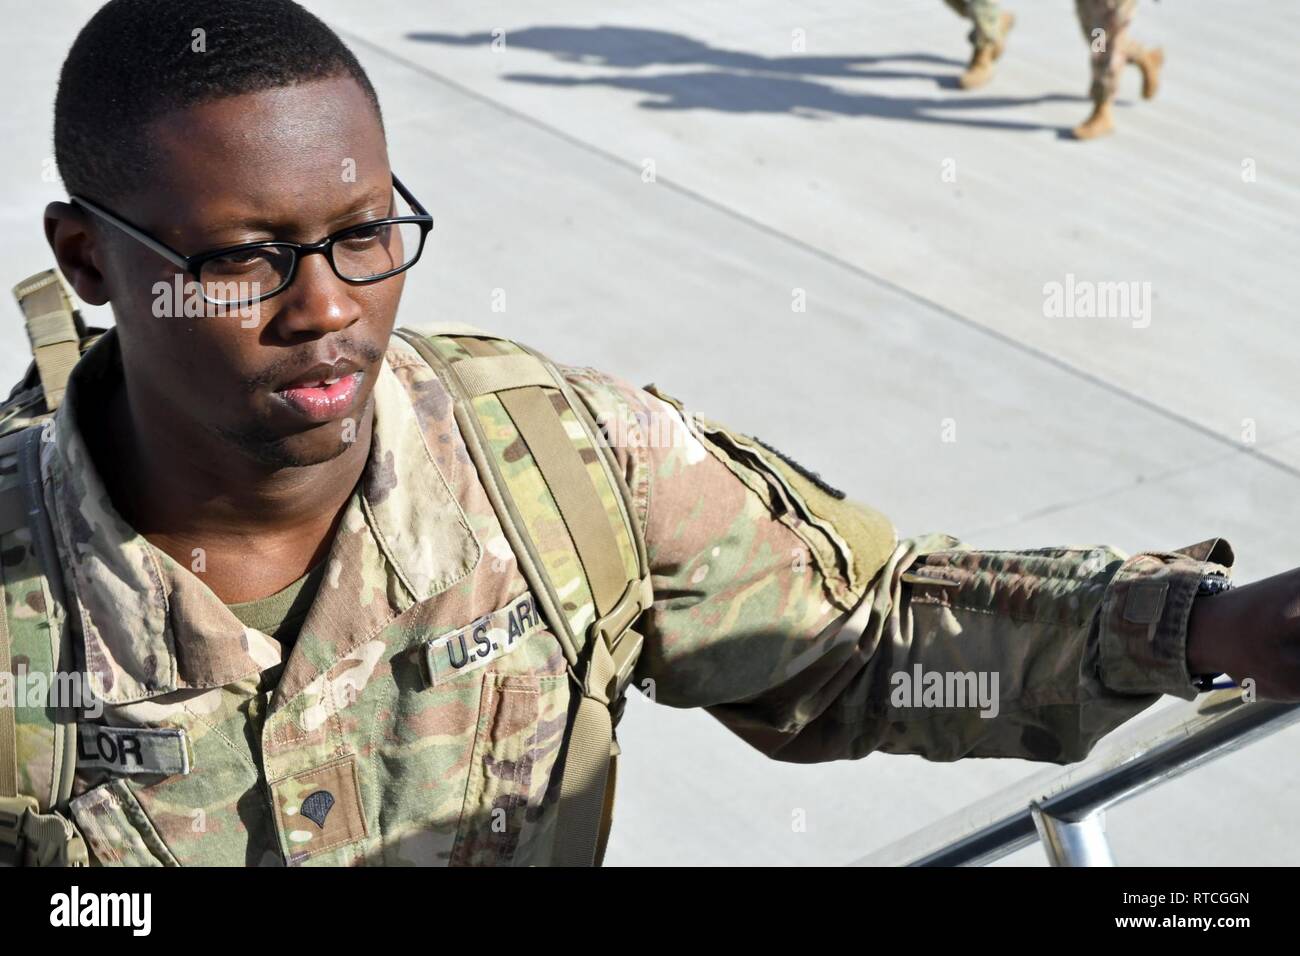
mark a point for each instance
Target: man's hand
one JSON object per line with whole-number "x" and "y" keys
{"x": 1251, "y": 632}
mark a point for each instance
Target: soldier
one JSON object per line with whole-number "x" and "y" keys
{"x": 1105, "y": 26}
{"x": 342, "y": 596}
{"x": 988, "y": 38}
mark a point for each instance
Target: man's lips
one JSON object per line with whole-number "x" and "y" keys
{"x": 324, "y": 392}
{"x": 321, "y": 374}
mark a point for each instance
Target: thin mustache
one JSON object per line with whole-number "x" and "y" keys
{"x": 361, "y": 353}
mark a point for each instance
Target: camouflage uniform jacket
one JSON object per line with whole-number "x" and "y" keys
{"x": 349, "y": 750}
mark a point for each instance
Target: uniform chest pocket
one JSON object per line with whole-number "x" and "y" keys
{"x": 472, "y": 750}
{"x": 117, "y": 830}
{"x": 517, "y": 739}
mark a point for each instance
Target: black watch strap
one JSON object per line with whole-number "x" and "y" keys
{"x": 1210, "y": 585}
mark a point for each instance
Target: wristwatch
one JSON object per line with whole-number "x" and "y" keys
{"x": 1211, "y": 584}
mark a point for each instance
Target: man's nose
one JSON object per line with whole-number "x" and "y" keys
{"x": 317, "y": 302}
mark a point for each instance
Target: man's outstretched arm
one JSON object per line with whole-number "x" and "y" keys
{"x": 805, "y": 626}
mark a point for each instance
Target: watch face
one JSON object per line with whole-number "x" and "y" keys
{"x": 1213, "y": 584}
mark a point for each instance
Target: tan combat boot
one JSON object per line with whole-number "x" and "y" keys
{"x": 980, "y": 70}
{"x": 982, "y": 59}
{"x": 1150, "y": 63}
{"x": 1101, "y": 122}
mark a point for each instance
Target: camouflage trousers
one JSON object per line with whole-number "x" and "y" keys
{"x": 1105, "y": 26}
{"x": 985, "y": 15}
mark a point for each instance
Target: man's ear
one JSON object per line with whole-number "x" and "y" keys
{"x": 68, "y": 232}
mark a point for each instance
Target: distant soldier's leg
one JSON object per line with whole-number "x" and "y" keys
{"x": 1147, "y": 59}
{"x": 991, "y": 24}
{"x": 988, "y": 39}
{"x": 1105, "y": 24}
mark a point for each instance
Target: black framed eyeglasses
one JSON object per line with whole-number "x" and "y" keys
{"x": 236, "y": 276}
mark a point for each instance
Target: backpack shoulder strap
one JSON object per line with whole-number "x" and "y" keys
{"x": 58, "y": 339}
{"x": 37, "y": 741}
{"x": 53, "y": 328}
{"x": 506, "y": 394}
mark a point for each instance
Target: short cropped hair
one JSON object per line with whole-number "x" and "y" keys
{"x": 137, "y": 60}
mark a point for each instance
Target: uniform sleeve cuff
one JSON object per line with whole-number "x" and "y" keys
{"x": 1144, "y": 618}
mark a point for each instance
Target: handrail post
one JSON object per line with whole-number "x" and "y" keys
{"x": 1080, "y": 842}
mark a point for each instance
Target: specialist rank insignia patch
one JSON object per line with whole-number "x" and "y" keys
{"x": 319, "y": 811}
{"x": 480, "y": 643}
{"x": 316, "y": 807}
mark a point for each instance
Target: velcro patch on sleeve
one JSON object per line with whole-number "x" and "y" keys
{"x": 481, "y": 642}
{"x": 133, "y": 749}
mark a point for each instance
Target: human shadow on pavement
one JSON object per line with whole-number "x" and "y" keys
{"x": 635, "y": 48}
{"x": 743, "y": 82}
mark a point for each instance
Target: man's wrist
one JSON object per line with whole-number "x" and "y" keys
{"x": 1205, "y": 631}
{"x": 1146, "y": 627}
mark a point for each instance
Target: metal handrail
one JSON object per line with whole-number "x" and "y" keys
{"x": 1064, "y": 807}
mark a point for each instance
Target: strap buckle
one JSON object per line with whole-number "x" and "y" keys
{"x": 623, "y": 644}
{"x": 13, "y": 812}
{"x": 31, "y": 838}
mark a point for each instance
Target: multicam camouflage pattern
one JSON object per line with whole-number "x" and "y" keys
{"x": 33, "y": 619}
{"x": 26, "y": 402}
{"x": 986, "y": 17}
{"x": 747, "y": 582}
{"x": 344, "y": 751}
{"x": 532, "y": 497}
{"x": 1113, "y": 47}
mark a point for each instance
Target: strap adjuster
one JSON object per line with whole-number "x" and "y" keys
{"x": 13, "y": 811}
{"x": 614, "y": 631}
{"x": 29, "y": 837}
